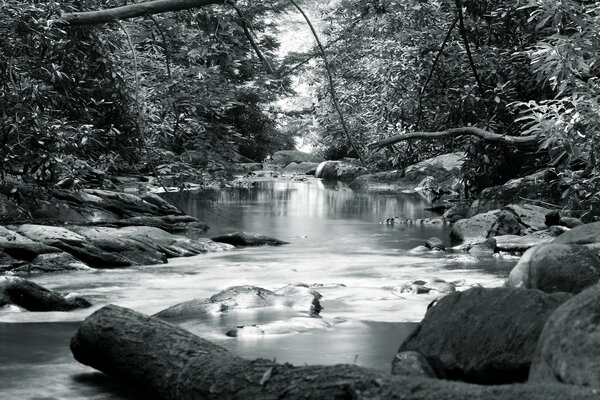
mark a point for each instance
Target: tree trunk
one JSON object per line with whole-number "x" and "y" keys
{"x": 133, "y": 10}
{"x": 521, "y": 142}
{"x": 170, "y": 363}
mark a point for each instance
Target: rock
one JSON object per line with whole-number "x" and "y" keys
{"x": 556, "y": 268}
{"x": 248, "y": 239}
{"x": 54, "y": 262}
{"x": 281, "y": 327}
{"x": 169, "y": 223}
{"x": 246, "y": 297}
{"x": 429, "y": 188}
{"x": 435, "y": 243}
{"x": 568, "y": 350}
{"x": 285, "y": 157}
{"x": 339, "y": 171}
{"x": 301, "y": 168}
{"x": 485, "y": 249}
{"x": 583, "y": 234}
{"x": 74, "y": 244}
{"x": 20, "y": 247}
{"x": 411, "y": 363}
{"x": 507, "y": 224}
{"x": 446, "y": 169}
{"x": 530, "y": 216}
{"x": 553, "y": 218}
{"x": 514, "y": 243}
{"x": 171, "y": 363}
{"x": 485, "y": 336}
{"x": 33, "y": 297}
{"x": 475, "y": 228}
{"x": 569, "y": 222}
{"x": 539, "y": 186}
{"x": 418, "y": 221}
{"x": 457, "y": 209}
{"x": 435, "y": 285}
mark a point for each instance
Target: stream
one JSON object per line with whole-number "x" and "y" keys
{"x": 337, "y": 245}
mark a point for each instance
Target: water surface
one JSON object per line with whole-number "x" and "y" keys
{"x": 336, "y": 245}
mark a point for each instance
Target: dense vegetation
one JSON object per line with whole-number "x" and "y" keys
{"x": 70, "y": 102}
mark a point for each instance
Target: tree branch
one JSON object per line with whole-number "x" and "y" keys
{"x": 133, "y": 10}
{"x": 522, "y": 142}
{"x": 248, "y": 34}
{"x": 331, "y": 84}
{"x": 463, "y": 33}
{"x": 437, "y": 58}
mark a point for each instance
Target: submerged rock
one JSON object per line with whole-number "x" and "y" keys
{"x": 283, "y": 327}
{"x": 248, "y": 239}
{"x": 435, "y": 243}
{"x": 485, "y": 336}
{"x": 33, "y": 297}
{"x": 568, "y": 350}
{"x": 556, "y": 268}
{"x": 245, "y": 297}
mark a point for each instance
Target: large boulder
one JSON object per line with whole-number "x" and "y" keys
{"x": 514, "y": 219}
{"x": 33, "y": 297}
{"x": 445, "y": 169}
{"x": 540, "y": 186}
{"x": 556, "y": 268}
{"x": 301, "y": 168}
{"x": 583, "y": 234}
{"x": 411, "y": 363}
{"x": 339, "y": 171}
{"x": 568, "y": 350}
{"x": 20, "y": 247}
{"x": 285, "y": 157}
{"x": 476, "y": 228}
{"x": 296, "y": 297}
{"x": 482, "y": 335}
{"x": 247, "y": 239}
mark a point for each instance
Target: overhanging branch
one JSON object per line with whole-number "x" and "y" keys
{"x": 133, "y": 10}
{"x": 522, "y": 142}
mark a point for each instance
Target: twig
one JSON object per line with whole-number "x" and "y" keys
{"x": 331, "y": 84}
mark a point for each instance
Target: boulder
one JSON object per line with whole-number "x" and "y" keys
{"x": 556, "y": 267}
{"x": 485, "y": 336}
{"x": 583, "y": 234}
{"x": 339, "y": 171}
{"x": 246, "y": 297}
{"x": 570, "y": 222}
{"x": 247, "y": 239}
{"x": 506, "y": 224}
{"x": 514, "y": 243}
{"x": 33, "y": 297}
{"x": 457, "y": 210}
{"x": 435, "y": 243}
{"x": 540, "y": 186}
{"x": 285, "y": 157}
{"x": 21, "y": 247}
{"x": 54, "y": 262}
{"x": 411, "y": 363}
{"x": 485, "y": 249}
{"x": 529, "y": 215}
{"x": 476, "y": 228}
{"x": 568, "y": 350}
{"x": 434, "y": 285}
{"x": 301, "y": 168}
{"x": 446, "y": 169}
{"x": 169, "y": 223}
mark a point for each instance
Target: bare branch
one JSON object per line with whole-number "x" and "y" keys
{"x": 522, "y": 142}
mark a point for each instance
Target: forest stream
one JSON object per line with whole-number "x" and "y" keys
{"x": 337, "y": 246}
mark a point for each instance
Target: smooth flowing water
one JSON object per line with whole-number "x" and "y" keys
{"x": 336, "y": 245}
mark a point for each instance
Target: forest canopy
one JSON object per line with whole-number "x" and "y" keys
{"x": 205, "y": 94}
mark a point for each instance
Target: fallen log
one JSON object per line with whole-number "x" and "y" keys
{"x": 170, "y": 363}
{"x": 521, "y": 142}
{"x": 133, "y": 10}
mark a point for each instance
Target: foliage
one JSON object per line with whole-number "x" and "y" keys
{"x": 63, "y": 105}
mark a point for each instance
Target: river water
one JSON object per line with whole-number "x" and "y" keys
{"x": 336, "y": 245}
